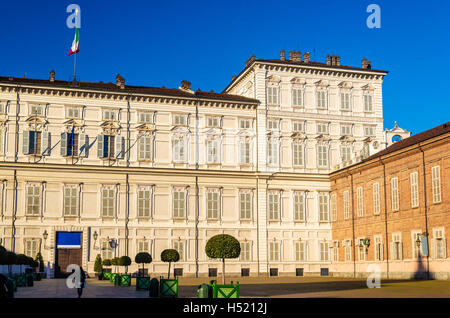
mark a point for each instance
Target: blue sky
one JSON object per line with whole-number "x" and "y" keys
{"x": 157, "y": 43}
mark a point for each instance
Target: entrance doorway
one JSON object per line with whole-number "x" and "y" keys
{"x": 68, "y": 251}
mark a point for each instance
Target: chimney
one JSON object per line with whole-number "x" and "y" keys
{"x": 185, "y": 84}
{"x": 282, "y": 57}
{"x": 369, "y": 65}
{"x": 307, "y": 57}
{"x": 338, "y": 60}
{"x": 52, "y": 76}
{"x": 291, "y": 55}
{"x": 364, "y": 63}
{"x": 299, "y": 56}
{"x": 333, "y": 60}
{"x": 233, "y": 77}
{"x": 250, "y": 60}
{"x": 120, "y": 81}
{"x": 328, "y": 59}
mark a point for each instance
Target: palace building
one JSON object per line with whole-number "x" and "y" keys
{"x": 115, "y": 169}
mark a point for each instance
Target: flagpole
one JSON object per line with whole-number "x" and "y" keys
{"x": 75, "y": 68}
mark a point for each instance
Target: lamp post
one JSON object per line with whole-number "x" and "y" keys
{"x": 45, "y": 236}
{"x": 418, "y": 245}
{"x": 95, "y": 236}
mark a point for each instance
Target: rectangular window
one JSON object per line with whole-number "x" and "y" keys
{"x": 346, "y": 153}
{"x": 70, "y": 201}
{"x": 244, "y": 124}
{"x": 348, "y": 250}
{"x": 324, "y": 251}
{"x": 321, "y": 97}
{"x": 335, "y": 251}
{"x": 346, "y": 205}
{"x": 322, "y": 156}
{"x": 300, "y": 251}
{"x": 274, "y": 251}
{"x": 31, "y": 248}
{"x": 109, "y": 114}
{"x": 297, "y": 95}
{"x": 145, "y": 118}
{"x": 179, "y": 152}
{"x": 36, "y": 110}
{"x": 396, "y": 246}
{"x": 439, "y": 245}
{"x": 244, "y": 157}
{"x": 272, "y": 95}
{"x": 298, "y": 126}
{"x": 436, "y": 183}
{"x": 143, "y": 247}
{"x": 333, "y": 208}
{"x": 272, "y": 152}
{"x": 361, "y": 250}
{"x": 106, "y": 250}
{"x": 179, "y": 120}
{"x": 35, "y": 141}
{"x": 108, "y": 146}
{"x": 212, "y": 151}
{"x": 323, "y": 207}
{"x": 245, "y": 205}
{"x": 368, "y": 103}
{"x": 33, "y": 200}
{"x": 415, "y": 249}
{"x": 414, "y": 189}
{"x": 108, "y": 206}
{"x": 369, "y": 131}
{"x": 360, "y": 201}
{"x": 376, "y": 198}
{"x": 73, "y": 112}
{"x": 212, "y": 205}
{"x": 179, "y": 203}
{"x": 72, "y": 144}
{"x": 379, "y": 250}
{"x": 179, "y": 246}
{"x": 213, "y": 122}
{"x": 322, "y": 128}
{"x": 394, "y": 192}
{"x": 274, "y": 206}
{"x": 246, "y": 252}
{"x": 273, "y": 124}
{"x": 297, "y": 149}
{"x": 144, "y": 202}
{"x": 346, "y": 130}
{"x": 299, "y": 207}
{"x": 345, "y": 101}
{"x": 145, "y": 147}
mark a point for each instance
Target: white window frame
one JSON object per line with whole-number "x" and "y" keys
{"x": 179, "y": 203}
{"x": 436, "y": 184}
{"x": 274, "y": 205}
{"x": 299, "y": 203}
{"x": 414, "y": 183}
{"x": 322, "y": 155}
{"x": 144, "y": 208}
{"x": 274, "y": 251}
{"x": 368, "y": 102}
{"x": 298, "y": 153}
{"x": 376, "y": 198}
{"x": 111, "y": 198}
{"x": 297, "y": 97}
{"x": 324, "y": 207}
{"x": 359, "y": 201}
{"x": 324, "y": 251}
{"x": 394, "y": 194}
{"x": 213, "y": 204}
{"x": 246, "y": 251}
{"x": 301, "y": 251}
{"x": 346, "y": 200}
{"x": 34, "y": 199}
{"x": 346, "y": 104}
{"x": 246, "y": 213}
{"x": 333, "y": 205}
{"x": 378, "y": 248}
{"x": 273, "y": 95}
{"x": 71, "y": 205}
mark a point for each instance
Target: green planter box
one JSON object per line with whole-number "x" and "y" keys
{"x": 106, "y": 275}
{"x": 21, "y": 280}
{"x": 112, "y": 278}
{"x": 225, "y": 291}
{"x": 142, "y": 283}
{"x": 117, "y": 279}
{"x": 125, "y": 280}
{"x": 168, "y": 287}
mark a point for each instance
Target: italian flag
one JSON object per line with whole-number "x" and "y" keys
{"x": 75, "y": 44}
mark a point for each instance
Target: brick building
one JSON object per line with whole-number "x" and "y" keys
{"x": 393, "y": 210}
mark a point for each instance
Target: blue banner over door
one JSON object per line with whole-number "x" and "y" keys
{"x": 68, "y": 240}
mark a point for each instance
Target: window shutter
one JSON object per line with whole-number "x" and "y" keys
{"x": 444, "y": 248}
{"x": 26, "y": 142}
{"x": 119, "y": 147}
{"x": 400, "y": 246}
{"x": 64, "y": 144}
{"x": 100, "y": 145}
{"x": 46, "y": 143}
{"x": 433, "y": 248}
{"x": 382, "y": 252}
{"x": 83, "y": 145}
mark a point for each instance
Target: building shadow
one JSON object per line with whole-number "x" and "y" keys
{"x": 421, "y": 272}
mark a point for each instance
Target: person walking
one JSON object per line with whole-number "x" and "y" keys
{"x": 82, "y": 282}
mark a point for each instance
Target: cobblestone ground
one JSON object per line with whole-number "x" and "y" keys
{"x": 252, "y": 287}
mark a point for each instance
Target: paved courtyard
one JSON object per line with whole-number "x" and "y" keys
{"x": 252, "y": 287}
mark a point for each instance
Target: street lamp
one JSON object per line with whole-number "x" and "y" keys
{"x": 45, "y": 235}
{"x": 418, "y": 245}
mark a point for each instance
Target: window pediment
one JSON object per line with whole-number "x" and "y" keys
{"x": 298, "y": 81}
{"x": 347, "y": 139}
{"x": 323, "y": 138}
{"x": 298, "y": 135}
{"x": 146, "y": 127}
{"x": 346, "y": 85}
{"x": 322, "y": 84}
{"x": 274, "y": 79}
{"x": 368, "y": 87}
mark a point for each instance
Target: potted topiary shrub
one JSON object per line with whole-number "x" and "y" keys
{"x": 98, "y": 267}
{"x": 142, "y": 281}
{"x": 106, "y": 271}
{"x": 223, "y": 246}
{"x": 125, "y": 279}
{"x": 169, "y": 287}
{"x": 10, "y": 260}
{"x": 21, "y": 260}
{"x": 115, "y": 263}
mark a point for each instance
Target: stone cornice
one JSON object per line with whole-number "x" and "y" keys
{"x": 124, "y": 96}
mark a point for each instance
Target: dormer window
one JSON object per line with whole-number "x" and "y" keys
{"x": 73, "y": 112}
{"x": 145, "y": 118}
{"x": 244, "y": 124}
{"x": 109, "y": 114}
{"x": 36, "y": 110}
{"x": 213, "y": 122}
{"x": 322, "y": 128}
{"x": 179, "y": 120}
